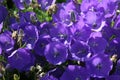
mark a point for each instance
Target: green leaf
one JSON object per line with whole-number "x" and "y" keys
{"x": 28, "y": 9}
{"x": 16, "y": 77}
{"x": 2, "y": 59}
{"x": 79, "y": 1}
{"x": 42, "y": 15}
{"x": 112, "y": 37}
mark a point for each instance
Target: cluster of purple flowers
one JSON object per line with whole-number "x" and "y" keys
{"x": 81, "y": 42}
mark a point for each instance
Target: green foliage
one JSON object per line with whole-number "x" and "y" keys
{"x": 42, "y": 15}
{"x": 60, "y": 1}
{"x": 16, "y": 77}
{"x": 2, "y": 59}
{"x": 79, "y": 1}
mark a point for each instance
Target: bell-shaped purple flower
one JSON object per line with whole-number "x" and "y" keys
{"x": 82, "y": 34}
{"x": 6, "y": 41}
{"x": 79, "y": 50}
{"x": 3, "y": 13}
{"x": 30, "y": 35}
{"x": 99, "y": 65}
{"x": 74, "y": 72}
{"x": 41, "y": 44}
{"x": 21, "y": 59}
{"x": 59, "y": 31}
{"x": 97, "y": 44}
{"x": 56, "y": 53}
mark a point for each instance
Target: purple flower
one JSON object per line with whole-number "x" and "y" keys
{"x": 30, "y": 35}
{"x": 117, "y": 22}
{"x": 91, "y": 17}
{"x": 6, "y": 41}
{"x": 66, "y": 13}
{"x": 3, "y": 13}
{"x": 41, "y": 44}
{"x": 61, "y": 15}
{"x": 46, "y": 3}
{"x": 99, "y": 65}
{"x": 48, "y": 77}
{"x": 20, "y": 3}
{"x": 117, "y": 71}
{"x": 21, "y": 59}
{"x": 95, "y": 20}
{"x": 82, "y": 34}
{"x": 59, "y": 31}
{"x": 108, "y": 33}
{"x": 114, "y": 47}
{"x": 79, "y": 50}
{"x": 97, "y": 44}
{"x": 109, "y": 7}
{"x": 113, "y": 77}
{"x": 1, "y": 1}
{"x": 28, "y": 17}
{"x": 56, "y": 53}
{"x": 54, "y": 74}
{"x": 74, "y": 72}
{"x": 45, "y": 27}
{"x": 87, "y": 4}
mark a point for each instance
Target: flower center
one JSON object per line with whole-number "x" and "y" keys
{"x": 77, "y": 78}
{"x": 42, "y": 45}
{"x": 99, "y": 66}
{"x": 95, "y": 44}
{"x": 56, "y": 53}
